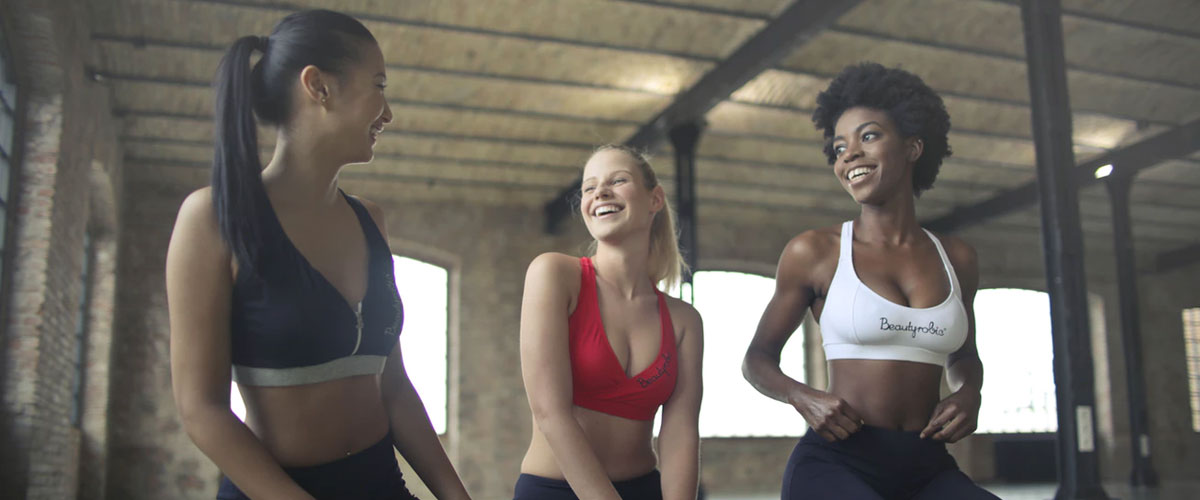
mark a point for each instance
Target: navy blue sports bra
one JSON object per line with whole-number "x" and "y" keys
{"x": 290, "y": 326}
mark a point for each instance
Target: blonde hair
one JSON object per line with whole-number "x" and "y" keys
{"x": 666, "y": 261}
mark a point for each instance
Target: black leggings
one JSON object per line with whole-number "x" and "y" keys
{"x": 530, "y": 487}
{"x": 371, "y": 474}
{"x": 876, "y": 464}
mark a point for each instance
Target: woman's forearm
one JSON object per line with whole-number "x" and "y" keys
{"x": 575, "y": 457}
{"x": 239, "y": 454}
{"x": 764, "y": 374}
{"x": 965, "y": 373}
{"x": 679, "y": 453}
{"x": 416, "y": 440}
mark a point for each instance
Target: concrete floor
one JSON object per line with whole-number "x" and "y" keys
{"x": 1045, "y": 491}
{"x": 1122, "y": 491}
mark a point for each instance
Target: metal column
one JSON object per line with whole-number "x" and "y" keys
{"x": 1078, "y": 467}
{"x": 684, "y": 138}
{"x": 1119, "y": 186}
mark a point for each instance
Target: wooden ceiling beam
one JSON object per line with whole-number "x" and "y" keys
{"x": 801, "y": 21}
{"x": 1177, "y": 258}
{"x": 1175, "y": 143}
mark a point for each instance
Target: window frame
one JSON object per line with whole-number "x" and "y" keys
{"x": 1191, "y": 358}
{"x": 82, "y": 329}
{"x": 10, "y": 76}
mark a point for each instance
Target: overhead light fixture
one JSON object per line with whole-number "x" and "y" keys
{"x": 1104, "y": 171}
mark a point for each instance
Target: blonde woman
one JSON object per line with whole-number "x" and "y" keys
{"x": 602, "y": 348}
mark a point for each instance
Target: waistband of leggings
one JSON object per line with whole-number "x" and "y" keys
{"x": 378, "y": 455}
{"x": 653, "y": 477}
{"x": 869, "y": 436}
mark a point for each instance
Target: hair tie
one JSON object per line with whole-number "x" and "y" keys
{"x": 261, "y": 43}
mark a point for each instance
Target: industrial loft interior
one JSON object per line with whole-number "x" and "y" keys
{"x": 1069, "y": 213}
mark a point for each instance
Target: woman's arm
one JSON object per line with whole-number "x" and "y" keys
{"x": 828, "y": 415}
{"x": 199, "y": 287}
{"x": 957, "y": 416}
{"x": 413, "y": 433}
{"x": 546, "y": 369}
{"x": 679, "y": 439}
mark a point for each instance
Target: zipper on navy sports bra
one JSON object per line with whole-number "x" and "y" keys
{"x": 358, "y": 320}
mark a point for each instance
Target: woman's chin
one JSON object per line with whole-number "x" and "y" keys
{"x": 365, "y": 157}
{"x": 616, "y": 235}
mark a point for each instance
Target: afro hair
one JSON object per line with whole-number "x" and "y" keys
{"x": 914, "y": 107}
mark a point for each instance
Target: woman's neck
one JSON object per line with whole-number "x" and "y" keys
{"x": 301, "y": 175}
{"x": 894, "y": 222}
{"x": 626, "y": 266}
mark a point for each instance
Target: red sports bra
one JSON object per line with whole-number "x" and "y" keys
{"x": 598, "y": 380}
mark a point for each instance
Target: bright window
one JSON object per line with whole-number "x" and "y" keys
{"x": 730, "y": 304}
{"x": 1191, "y": 338}
{"x": 1012, "y": 332}
{"x": 424, "y": 288}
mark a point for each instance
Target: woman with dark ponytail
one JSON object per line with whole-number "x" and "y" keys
{"x": 281, "y": 281}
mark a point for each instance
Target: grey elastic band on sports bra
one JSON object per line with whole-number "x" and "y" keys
{"x": 348, "y": 366}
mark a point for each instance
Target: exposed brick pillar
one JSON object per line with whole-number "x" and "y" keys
{"x": 58, "y": 120}
{"x": 30, "y": 388}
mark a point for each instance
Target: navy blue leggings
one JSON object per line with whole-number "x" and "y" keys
{"x": 530, "y": 487}
{"x": 876, "y": 464}
{"x": 371, "y": 474}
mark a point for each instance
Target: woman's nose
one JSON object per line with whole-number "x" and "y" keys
{"x": 387, "y": 113}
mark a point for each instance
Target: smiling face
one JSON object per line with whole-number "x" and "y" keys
{"x": 872, "y": 159}
{"x": 614, "y": 200}
{"x": 358, "y": 109}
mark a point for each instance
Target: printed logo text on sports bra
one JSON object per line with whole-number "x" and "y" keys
{"x": 931, "y": 329}
{"x": 662, "y": 370}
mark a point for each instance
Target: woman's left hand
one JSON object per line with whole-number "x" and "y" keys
{"x": 955, "y": 417}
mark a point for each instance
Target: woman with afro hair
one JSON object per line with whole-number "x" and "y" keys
{"x": 893, "y": 301}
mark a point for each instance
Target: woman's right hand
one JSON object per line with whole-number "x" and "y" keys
{"x": 830, "y": 416}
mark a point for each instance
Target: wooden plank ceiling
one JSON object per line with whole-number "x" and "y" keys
{"x": 500, "y": 101}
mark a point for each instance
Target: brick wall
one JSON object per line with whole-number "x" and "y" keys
{"x": 63, "y": 119}
{"x": 1175, "y": 446}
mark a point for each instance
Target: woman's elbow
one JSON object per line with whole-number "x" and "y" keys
{"x": 687, "y": 433}
{"x": 198, "y": 416}
{"x": 760, "y": 356}
{"x": 549, "y": 418}
{"x": 750, "y": 365}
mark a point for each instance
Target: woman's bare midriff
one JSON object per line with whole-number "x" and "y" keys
{"x": 898, "y": 395}
{"x": 622, "y": 445}
{"x": 317, "y": 423}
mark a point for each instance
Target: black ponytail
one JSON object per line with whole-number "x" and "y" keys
{"x": 238, "y": 192}
{"x": 325, "y": 39}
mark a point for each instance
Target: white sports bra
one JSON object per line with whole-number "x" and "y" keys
{"x": 858, "y": 323}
